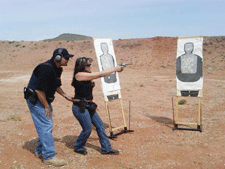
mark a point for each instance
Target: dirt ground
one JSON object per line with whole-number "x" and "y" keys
{"x": 148, "y": 90}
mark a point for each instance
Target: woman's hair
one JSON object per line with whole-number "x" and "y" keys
{"x": 80, "y": 64}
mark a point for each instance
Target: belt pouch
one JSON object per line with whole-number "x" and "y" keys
{"x": 92, "y": 107}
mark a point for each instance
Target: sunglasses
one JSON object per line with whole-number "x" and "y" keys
{"x": 85, "y": 61}
{"x": 89, "y": 65}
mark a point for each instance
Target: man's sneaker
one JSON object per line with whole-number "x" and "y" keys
{"x": 55, "y": 161}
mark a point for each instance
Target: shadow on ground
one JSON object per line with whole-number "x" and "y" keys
{"x": 163, "y": 120}
{"x": 69, "y": 141}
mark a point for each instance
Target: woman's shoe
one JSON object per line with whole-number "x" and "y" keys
{"x": 38, "y": 155}
{"x": 83, "y": 152}
{"x": 112, "y": 152}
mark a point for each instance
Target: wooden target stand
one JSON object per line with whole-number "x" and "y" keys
{"x": 199, "y": 117}
{"x": 124, "y": 126}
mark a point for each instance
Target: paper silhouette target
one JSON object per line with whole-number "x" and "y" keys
{"x": 189, "y": 66}
{"x": 106, "y": 60}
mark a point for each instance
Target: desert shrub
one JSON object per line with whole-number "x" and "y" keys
{"x": 223, "y": 57}
{"x": 14, "y": 118}
{"x": 11, "y": 42}
{"x": 182, "y": 102}
{"x": 44, "y": 46}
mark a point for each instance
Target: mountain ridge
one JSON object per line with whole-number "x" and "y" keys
{"x": 69, "y": 36}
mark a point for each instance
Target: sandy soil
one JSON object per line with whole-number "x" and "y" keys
{"x": 149, "y": 86}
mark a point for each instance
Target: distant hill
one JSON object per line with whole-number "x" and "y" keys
{"x": 69, "y": 36}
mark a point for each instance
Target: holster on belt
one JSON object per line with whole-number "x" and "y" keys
{"x": 30, "y": 94}
{"x": 82, "y": 105}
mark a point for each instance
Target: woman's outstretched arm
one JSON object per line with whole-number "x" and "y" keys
{"x": 84, "y": 76}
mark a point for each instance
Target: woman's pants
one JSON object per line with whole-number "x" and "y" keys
{"x": 86, "y": 120}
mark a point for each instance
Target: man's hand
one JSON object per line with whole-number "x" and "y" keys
{"x": 42, "y": 98}
{"x": 48, "y": 112}
{"x": 61, "y": 92}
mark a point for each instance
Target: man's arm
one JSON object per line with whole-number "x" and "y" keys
{"x": 62, "y": 93}
{"x": 42, "y": 98}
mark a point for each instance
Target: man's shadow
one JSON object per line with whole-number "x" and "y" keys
{"x": 30, "y": 145}
{"x": 69, "y": 141}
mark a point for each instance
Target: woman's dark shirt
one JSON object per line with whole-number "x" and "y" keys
{"x": 83, "y": 89}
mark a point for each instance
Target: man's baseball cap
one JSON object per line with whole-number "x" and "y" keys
{"x": 62, "y": 52}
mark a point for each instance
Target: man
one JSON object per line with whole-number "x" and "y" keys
{"x": 39, "y": 94}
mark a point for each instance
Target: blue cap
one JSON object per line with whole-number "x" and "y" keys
{"x": 63, "y": 52}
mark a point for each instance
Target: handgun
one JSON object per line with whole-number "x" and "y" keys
{"x": 125, "y": 64}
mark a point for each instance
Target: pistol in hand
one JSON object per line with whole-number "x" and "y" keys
{"x": 125, "y": 64}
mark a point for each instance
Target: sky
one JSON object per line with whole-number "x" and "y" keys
{"x": 34, "y": 20}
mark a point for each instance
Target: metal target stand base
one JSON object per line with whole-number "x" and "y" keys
{"x": 191, "y": 129}
{"x": 112, "y": 136}
{"x": 124, "y": 127}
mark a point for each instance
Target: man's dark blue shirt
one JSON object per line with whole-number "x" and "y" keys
{"x": 46, "y": 77}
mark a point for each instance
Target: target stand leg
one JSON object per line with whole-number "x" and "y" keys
{"x": 175, "y": 127}
{"x": 199, "y": 119}
{"x": 124, "y": 127}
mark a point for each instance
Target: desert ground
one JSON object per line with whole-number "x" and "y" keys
{"x": 149, "y": 85}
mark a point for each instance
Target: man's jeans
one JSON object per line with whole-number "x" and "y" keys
{"x": 86, "y": 120}
{"x": 44, "y": 126}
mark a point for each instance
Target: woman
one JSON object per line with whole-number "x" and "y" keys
{"x": 83, "y": 107}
